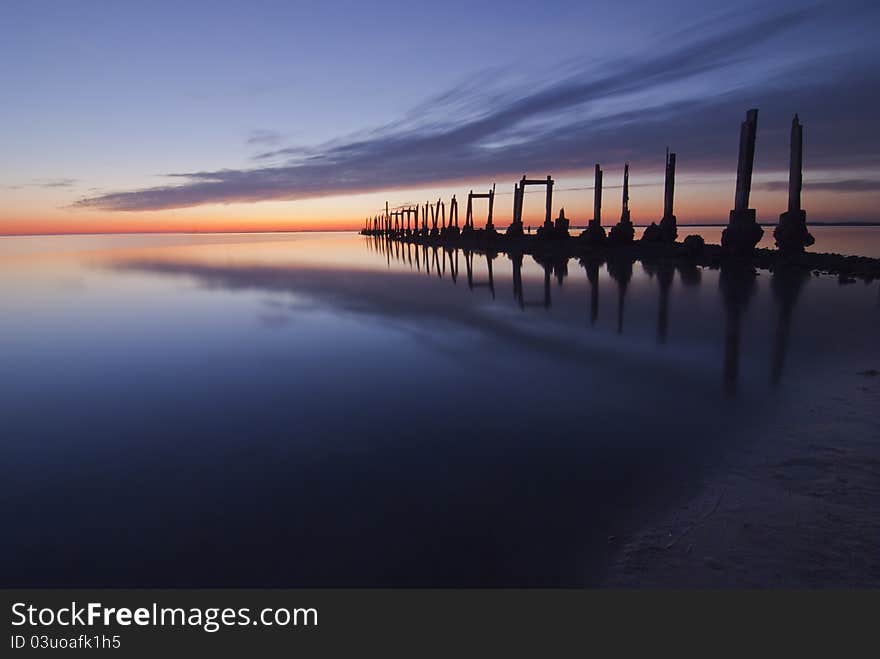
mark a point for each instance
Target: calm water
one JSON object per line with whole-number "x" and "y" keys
{"x": 326, "y": 409}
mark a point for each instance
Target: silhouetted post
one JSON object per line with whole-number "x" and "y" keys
{"x": 549, "y": 206}
{"x": 489, "y": 225}
{"x": 516, "y": 225}
{"x": 668, "y": 224}
{"x": 791, "y": 233}
{"x": 795, "y": 165}
{"x": 669, "y": 186}
{"x": 452, "y": 228}
{"x": 469, "y": 215}
{"x": 623, "y": 231}
{"x": 516, "y": 204}
{"x": 746, "y": 162}
{"x": 742, "y": 232}
{"x": 594, "y": 232}
{"x": 562, "y": 224}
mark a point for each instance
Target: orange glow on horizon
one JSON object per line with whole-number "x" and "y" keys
{"x": 699, "y": 199}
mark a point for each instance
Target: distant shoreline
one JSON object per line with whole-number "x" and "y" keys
{"x": 284, "y": 231}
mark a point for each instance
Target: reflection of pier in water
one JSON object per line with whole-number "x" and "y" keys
{"x": 786, "y": 285}
{"x": 737, "y": 285}
{"x": 469, "y": 264}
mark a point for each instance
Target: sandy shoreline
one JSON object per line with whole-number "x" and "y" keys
{"x": 797, "y": 507}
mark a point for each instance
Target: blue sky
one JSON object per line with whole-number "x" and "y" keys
{"x": 257, "y": 103}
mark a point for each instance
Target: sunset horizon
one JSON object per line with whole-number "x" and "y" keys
{"x": 174, "y": 157}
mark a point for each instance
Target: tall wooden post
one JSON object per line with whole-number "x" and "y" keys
{"x": 742, "y": 232}
{"x": 791, "y": 233}
{"x": 548, "y": 211}
{"x": 489, "y": 225}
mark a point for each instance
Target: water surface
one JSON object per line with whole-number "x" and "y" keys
{"x": 334, "y": 410}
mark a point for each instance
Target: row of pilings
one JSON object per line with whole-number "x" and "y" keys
{"x": 741, "y": 236}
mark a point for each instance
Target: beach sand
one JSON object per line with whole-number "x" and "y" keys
{"x": 799, "y": 506}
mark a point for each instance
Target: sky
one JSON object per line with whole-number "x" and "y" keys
{"x": 265, "y": 115}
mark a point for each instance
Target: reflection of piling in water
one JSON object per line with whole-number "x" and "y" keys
{"x": 737, "y": 283}
{"x": 591, "y": 265}
{"x": 547, "y": 271}
{"x": 553, "y": 266}
{"x": 620, "y": 270}
{"x": 452, "y": 255}
{"x": 786, "y": 285}
{"x": 435, "y": 259}
{"x": 489, "y": 258}
{"x": 689, "y": 274}
{"x": 665, "y": 275}
{"x": 665, "y": 272}
{"x": 469, "y": 265}
{"x": 516, "y": 259}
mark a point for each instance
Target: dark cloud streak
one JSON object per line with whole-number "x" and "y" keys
{"x": 505, "y": 140}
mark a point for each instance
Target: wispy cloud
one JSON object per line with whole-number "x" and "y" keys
{"x": 264, "y": 137}
{"x": 43, "y": 183}
{"x": 842, "y": 185}
{"x": 584, "y": 116}
{"x": 54, "y": 182}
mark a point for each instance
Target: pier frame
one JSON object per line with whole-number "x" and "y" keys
{"x": 516, "y": 226}
{"x": 469, "y": 216}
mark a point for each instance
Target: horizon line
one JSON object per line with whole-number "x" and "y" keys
{"x": 854, "y": 224}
